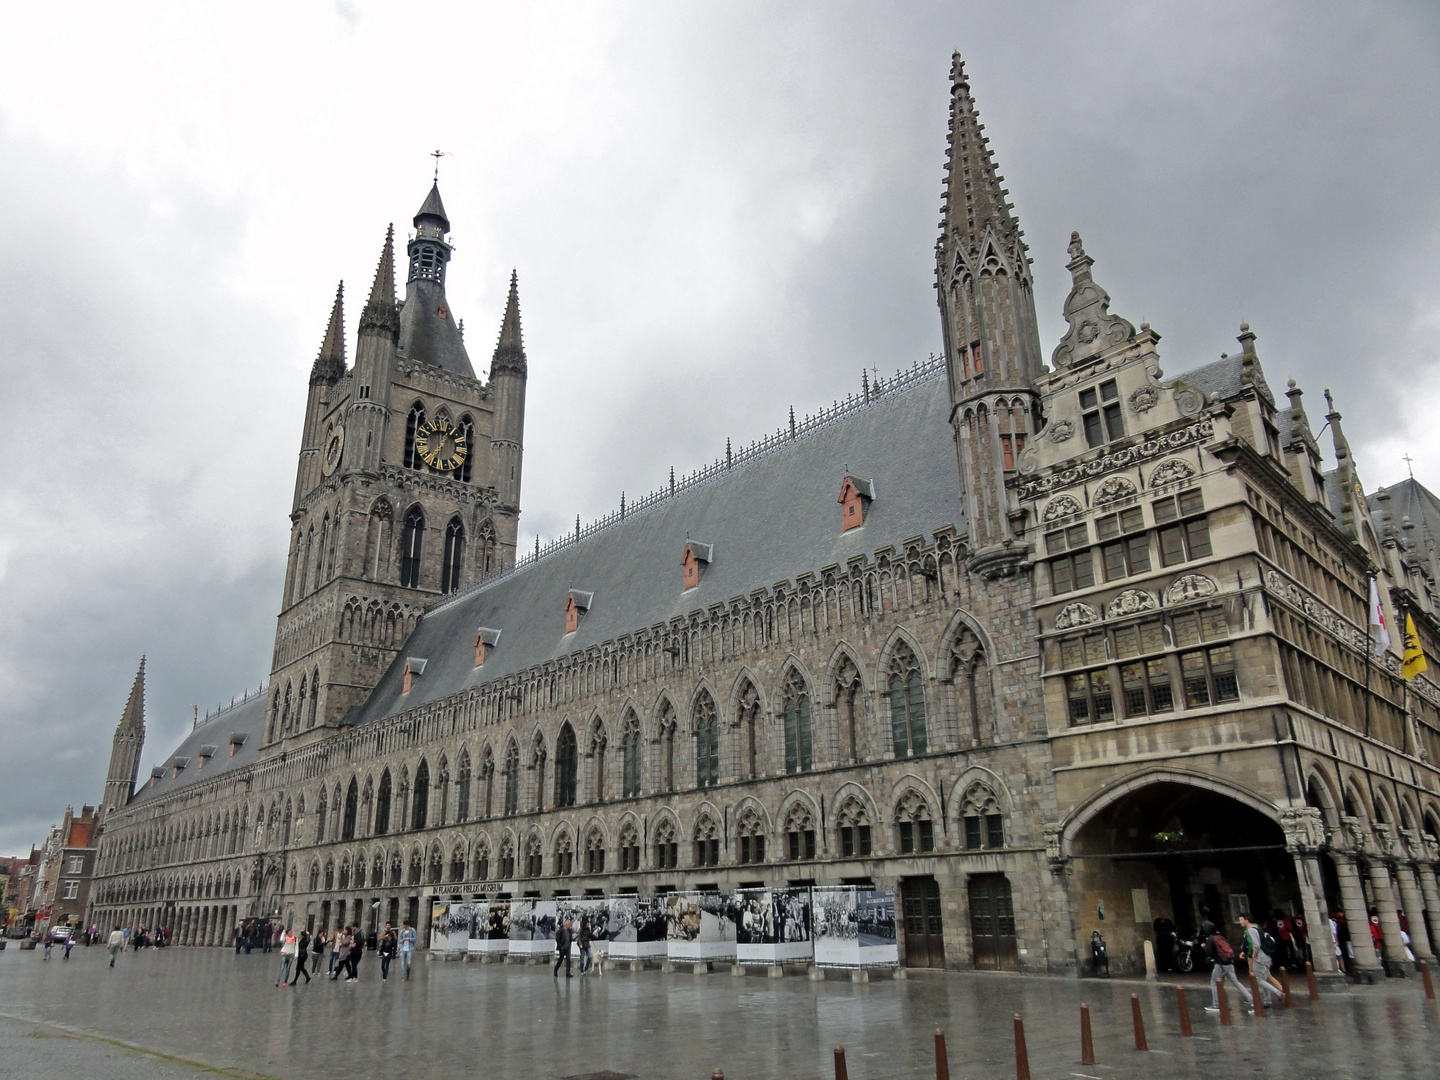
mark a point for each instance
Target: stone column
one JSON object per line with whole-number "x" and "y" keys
{"x": 1382, "y": 888}
{"x": 1410, "y": 898}
{"x": 1304, "y": 834}
{"x": 1346, "y": 844}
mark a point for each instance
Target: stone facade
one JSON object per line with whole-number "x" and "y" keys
{"x": 1119, "y": 665}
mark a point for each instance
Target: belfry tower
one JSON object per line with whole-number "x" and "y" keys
{"x": 125, "y": 750}
{"x": 407, "y": 488}
{"x": 992, "y": 342}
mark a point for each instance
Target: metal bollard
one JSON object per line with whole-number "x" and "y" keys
{"x": 1285, "y": 986}
{"x": 1224, "y": 1006}
{"x": 1140, "y": 1043}
{"x": 1256, "y": 996}
{"x": 1429, "y": 984}
{"x": 1185, "y": 1031}
{"x": 1087, "y": 1044}
{"x": 1310, "y": 979}
{"x": 840, "y": 1073}
{"x": 942, "y": 1060}
{"x": 718, "y": 1074}
{"x": 1022, "y": 1059}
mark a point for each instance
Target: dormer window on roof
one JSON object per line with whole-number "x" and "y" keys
{"x": 237, "y": 740}
{"x": 696, "y": 558}
{"x": 485, "y": 638}
{"x": 176, "y": 764}
{"x": 414, "y": 668}
{"x": 206, "y": 753}
{"x": 576, "y": 605}
{"x": 856, "y": 495}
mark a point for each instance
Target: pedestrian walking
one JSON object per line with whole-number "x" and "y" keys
{"x": 562, "y": 950}
{"x": 70, "y": 944}
{"x": 1218, "y": 949}
{"x": 386, "y": 950}
{"x": 239, "y": 936}
{"x": 1299, "y": 931}
{"x": 1253, "y": 948}
{"x": 318, "y": 946}
{"x": 584, "y": 940}
{"x": 1285, "y": 935}
{"x": 116, "y": 944}
{"x": 407, "y": 949}
{"x": 340, "y": 958}
{"x": 357, "y": 952}
{"x": 1377, "y": 936}
{"x": 302, "y": 954}
{"x": 289, "y": 947}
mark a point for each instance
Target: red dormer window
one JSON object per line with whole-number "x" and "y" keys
{"x": 414, "y": 668}
{"x": 576, "y": 604}
{"x": 483, "y": 637}
{"x": 855, "y": 498}
{"x": 696, "y": 558}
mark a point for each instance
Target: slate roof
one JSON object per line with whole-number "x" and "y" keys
{"x": 428, "y": 331}
{"x": 768, "y": 521}
{"x": 433, "y": 207}
{"x": 247, "y": 718}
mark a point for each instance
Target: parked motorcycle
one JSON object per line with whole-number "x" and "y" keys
{"x": 1190, "y": 953}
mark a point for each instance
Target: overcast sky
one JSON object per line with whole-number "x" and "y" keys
{"x": 715, "y": 212}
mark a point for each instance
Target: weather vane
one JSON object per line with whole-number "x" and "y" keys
{"x": 437, "y": 155}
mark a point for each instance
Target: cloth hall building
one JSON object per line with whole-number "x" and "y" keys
{"x": 1047, "y": 646}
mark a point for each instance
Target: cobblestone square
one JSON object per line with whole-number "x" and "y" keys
{"x": 209, "y": 1010}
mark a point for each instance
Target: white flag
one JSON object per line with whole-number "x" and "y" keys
{"x": 1377, "y": 619}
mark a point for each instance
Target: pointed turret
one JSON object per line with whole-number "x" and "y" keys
{"x": 992, "y": 341}
{"x": 1093, "y": 328}
{"x": 508, "y": 372}
{"x": 1350, "y": 496}
{"x": 125, "y": 749}
{"x": 510, "y": 349}
{"x": 428, "y": 331}
{"x": 380, "y": 312}
{"x": 330, "y": 364}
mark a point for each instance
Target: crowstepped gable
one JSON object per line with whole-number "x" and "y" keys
{"x": 1049, "y": 649}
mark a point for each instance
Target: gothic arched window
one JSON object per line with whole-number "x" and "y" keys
{"x": 565, "y": 766}
{"x": 382, "y": 805}
{"x": 707, "y": 842}
{"x": 751, "y": 829}
{"x": 981, "y": 819}
{"x": 907, "y": 703}
{"x": 630, "y": 757}
{"x": 482, "y": 859}
{"x": 457, "y": 863}
{"x": 749, "y": 730}
{"x": 454, "y": 556}
{"x": 352, "y": 801}
{"x": 487, "y": 781}
{"x": 467, "y": 432}
{"x": 707, "y": 742}
{"x": 314, "y": 697}
{"x": 512, "y": 779}
{"x": 799, "y": 739}
{"x": 629, "y": 847}
{"x": 667, "y": 848}
{"x": 320, "y": 811}
{"x": 564, "y": 855}
{"x": 854, "y": 824}
{"x": 462, "y": 788}
{"x": 916, "y": 832}
{"x": 507, "y": 858}
{"x": 413, "y": 423}
{"x": 595, "y": 851}
{"x": 420, "y": 805}
{"x": 847, "y": 708}
{"x": 534, "y": 857}
{"x": 970, "y": 675}
{"x": 800, "y": 832}
{"x": 412, "y": 539}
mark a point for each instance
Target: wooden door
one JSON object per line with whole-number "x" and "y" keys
{"x": 924, "y": 938}
{"x": 992, "y": 923}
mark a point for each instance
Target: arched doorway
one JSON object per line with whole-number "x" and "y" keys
{"x": 1185, "y": 847}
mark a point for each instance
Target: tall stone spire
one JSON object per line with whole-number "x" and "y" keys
{"x": 428, "y": 331}
{"x": 125, "y": 749}
{"x": 330, "y": 364}
{"x": 992, "y": 340}
{"x": 1352, "y": 496}
{"x": 380, "y": 312}
{"x": 510, "y": 349}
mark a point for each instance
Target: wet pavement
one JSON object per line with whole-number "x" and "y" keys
{"x": 215, "y": 1009}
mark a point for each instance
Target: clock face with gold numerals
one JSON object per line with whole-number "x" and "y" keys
{"x": 441, "y": 445}
{"x": 334, "y": 444}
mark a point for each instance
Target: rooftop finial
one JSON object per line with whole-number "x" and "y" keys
{"x": 510, "y": 349}
{"x": 380, "y": 312}
{"x": 330, "y": 364}
{"x": 437, "y": 155}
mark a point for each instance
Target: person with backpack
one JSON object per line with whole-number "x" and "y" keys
{"x": 1259, "y": 948}
{"x": 1219, "y": 950}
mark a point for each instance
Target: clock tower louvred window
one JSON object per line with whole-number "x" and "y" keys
{"x": 454, "y": 556}
{"x": 413, "y": 423}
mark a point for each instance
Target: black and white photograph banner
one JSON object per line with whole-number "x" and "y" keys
{"x": 637, "y": 927}
{"x": 700, "y": 926}
{"x": 772, "y": 925}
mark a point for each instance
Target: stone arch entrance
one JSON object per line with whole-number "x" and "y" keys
{"x": 1176, "y": 845}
